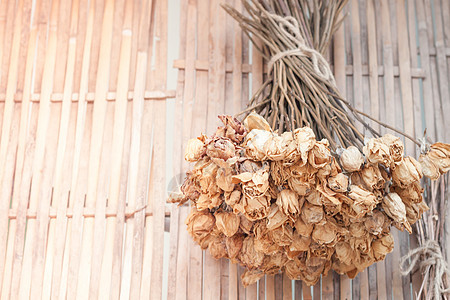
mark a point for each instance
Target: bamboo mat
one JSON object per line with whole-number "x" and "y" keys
{"x": 83, "y": 97}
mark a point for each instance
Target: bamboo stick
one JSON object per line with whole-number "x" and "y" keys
{"x": 120, "y": 114}
{"x": 216, "y": 105}
{"x": 76, "y": 199}
{"x": 6, "y": 181}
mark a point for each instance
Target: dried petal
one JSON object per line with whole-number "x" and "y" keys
{"x": 255, "y": 121}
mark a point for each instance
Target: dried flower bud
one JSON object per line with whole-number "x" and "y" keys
{"x": 382, "y": 246}
{"x": 234, "y": 245}
{"x": 436, "y": 161}
{"x": 254, "y": 143}
{"x": 217, "y": 248}
{"x": 199, "y": 224}
{"x": 312, "y": 213}
{"x": 351, "y": 159}
{"x": 377, "y": 152}
{"x": 289, "y": 203}
{"x": 194, "y": 150}
{"x": 251, "y": 276}
{"x": 227, "y": 222}
{"x": 407, "y": 172}
{"x": 395, "y": 208}
{"x": 338, "y": 183}
{"x": 320, "y": 155}
{"x": 363, "y": 201}
{"x": 248, "y": 256}
{"x": 305, "y": 139}
{"x": 395, "y": 148}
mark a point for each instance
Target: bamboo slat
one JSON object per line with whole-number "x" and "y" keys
{"x": 83, "y": 100}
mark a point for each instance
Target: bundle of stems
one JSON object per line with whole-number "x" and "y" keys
{"x": 300, "y": 89}
{"x": 428, "y": 257}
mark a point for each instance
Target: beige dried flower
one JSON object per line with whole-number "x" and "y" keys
{"x": 395, "y": 208}
{"x": 396, "y": 148}
{"x": 437, "y": 161}
{"x": 194, "y": 150}
{"x": 251, "y": 276}
{"x": 377, "y": 152}
{"x": 351, "y": 159}
{"x": 363, "y": 201}
{"x": 407, "y": 172}
{"x": 199, "y": 224}
{"x": 227, "y": 222}
{"x": 305, "y": 140}
{"x": 289, "y": 203}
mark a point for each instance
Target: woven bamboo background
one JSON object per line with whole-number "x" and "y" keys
{"x": 83, "y": 97}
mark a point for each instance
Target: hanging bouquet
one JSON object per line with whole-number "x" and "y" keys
{"x": 296, "y": 187}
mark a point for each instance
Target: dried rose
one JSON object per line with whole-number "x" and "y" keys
{"x": 289, "y": 203}
{"x": 372, "y": 177}
{"x": 251, "y": 276}
{"x": 300, "y": 243}
{"x": 303, "y": 228}
{"x": 395, "y": 208}
{"x": 351, "y": 159}
{"x": 282, "y": 236}
{"x": 227, "y": 222}
{"x": 363, "y": 201}
{"x": 254, "y": 143}
{"x": 245, "y": 225}
{"x": 395, "y": 148}
{"x": 382, "y": 246}
{"x": 232, "y": 198}
{"x": 412, "y": 192}
{"x": 217, "y": 248}
{"x": 194, "y": 150}
{"x": 436, "y": 161}
{"x": 407, "y": 172}
{"x": 234, "y": 245}
{"x": 324, "y": 234}
{"x": 220, "y": 148}
{"x": 199, "y": 224}
{"x": 414, "y": 210}
{"x": 276, "y": 217}
{"x": 312, "y": 213}
{"x": 233, "y": 129}
{"x": 320, "y": 155}
{"x": 248, "y": 256}
{"x": 376, "y": 223}
{"x": 273, "y": 263}
{"x": 377, "y": 152}
{"x": 305, "y": 140}
{"x": 338, "y": 183}
{"x": 254, "y": 208}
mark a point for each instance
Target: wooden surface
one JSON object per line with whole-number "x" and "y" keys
{"x": 83, "y": 100}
